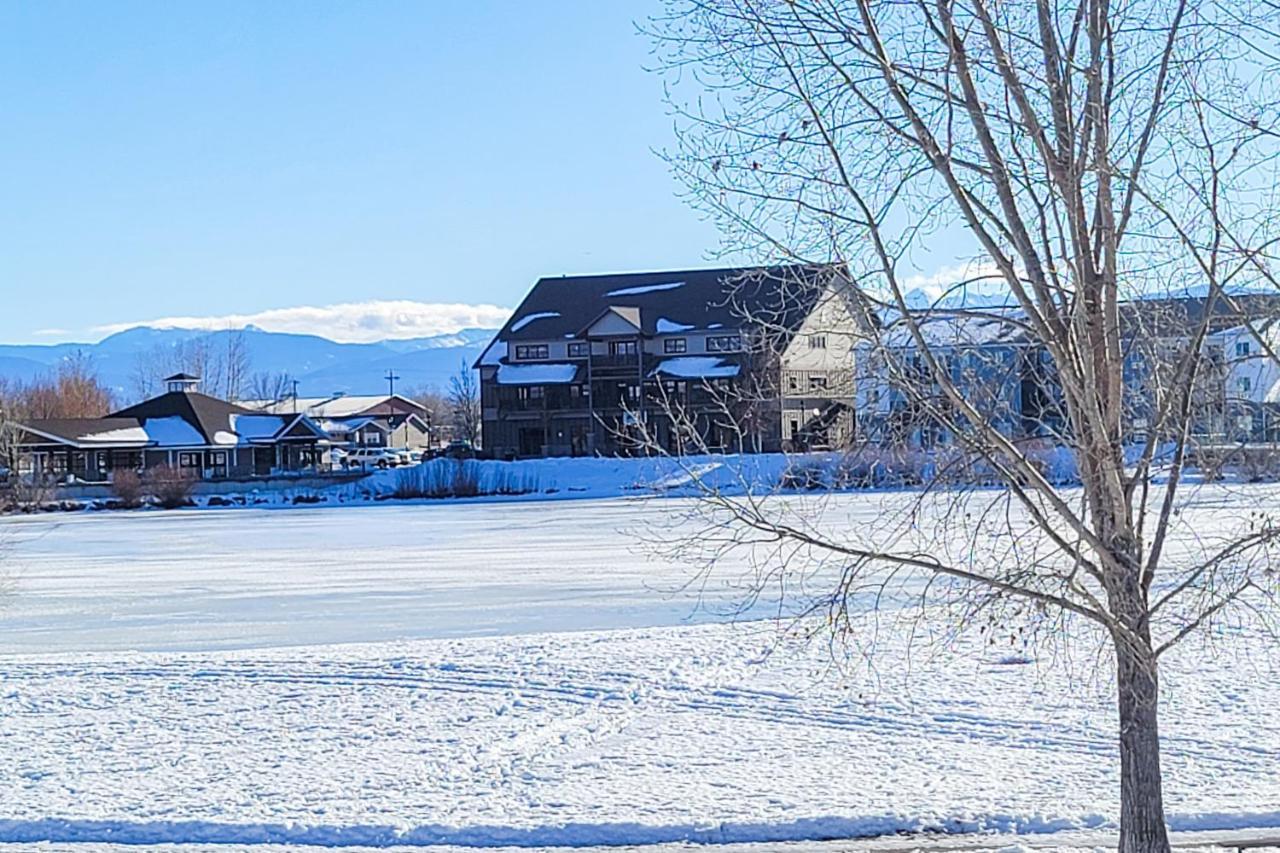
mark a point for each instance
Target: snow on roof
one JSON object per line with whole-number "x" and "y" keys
{"x": 344, "y": 406}
{"x": 635, "y": 291}
{"x": 667, "y": 327}
{"x": 115, "y": 435}
{"x": 956, "y": 331}
{"x": 696, "y": 367}
{"x": 536, "y": 374}
{"x": 349, "y": 424}
{"x": 173, "y": 431}
{"x": 493, "y": 355}
{"x": 224, "y": 437}
{"x": 256, "y": 427}
{"x": 541, "y": 315}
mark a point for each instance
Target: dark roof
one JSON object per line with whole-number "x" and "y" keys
{"x": 207, "y": 414}
{"x": 182, "y": 377}
{"x": 76, "y": 430}
{"x": 715, "y": 298}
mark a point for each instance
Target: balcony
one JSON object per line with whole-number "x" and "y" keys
{"x": 615, "y": 364}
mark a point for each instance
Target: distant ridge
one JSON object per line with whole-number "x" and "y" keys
{"x": 320, "y": 365}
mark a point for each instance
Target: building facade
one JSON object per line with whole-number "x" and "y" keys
{"x": 687, "y": 361}
{"x": 351, "y": 421}
{"x": 182, "y": 429}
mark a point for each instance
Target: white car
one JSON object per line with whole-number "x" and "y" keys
{"x": 406, "y": 455}
{"x": 372, "y": 457}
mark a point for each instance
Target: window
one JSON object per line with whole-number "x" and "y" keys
{"x": 1245, "y": 384}
{"x": 527, "y": 393}
{"x": 189, "y": 460}
{"x": 622, "y": 347}
{"x": 724, "y": 343}
{"x": 817, "y": 342}
{"x": 579, "y": 349}
{"x": 579, "y": 391}
{"x": 793, "y": 382}
{"x": 1242, "y": 349}
{"x": 675, "y": 345}
{"x": 817, "y": 383}
{"x": 530, "y": 352}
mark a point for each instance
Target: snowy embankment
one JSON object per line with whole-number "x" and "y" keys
{"x": 600, "y": 477}
{"x": 400, "y": 674}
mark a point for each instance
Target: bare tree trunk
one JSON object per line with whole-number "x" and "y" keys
{"x": 1142, "y": 824}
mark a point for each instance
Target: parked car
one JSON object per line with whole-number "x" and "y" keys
{"x": 459, "y": 448}
{"x": 405, "y": 455}
{"x": 372, "y": 457}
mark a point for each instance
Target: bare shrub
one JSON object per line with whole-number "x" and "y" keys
{"x": 1260, "y": 465}
{"x": 466, "y": 479}
{"x": 459, "y": 478}
{"x": 27, "y": 493}
{"x": 171, "y": 487}
{"x": 127, "y": 486}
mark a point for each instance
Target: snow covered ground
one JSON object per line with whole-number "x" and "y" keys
{"x": 522, "y": 674}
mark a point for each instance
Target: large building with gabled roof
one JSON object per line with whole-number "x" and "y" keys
{"x": 752, "y": 359}
{"x": 182, "y": 429}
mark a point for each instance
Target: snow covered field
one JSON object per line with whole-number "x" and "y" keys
{"x": 521, "y": 674}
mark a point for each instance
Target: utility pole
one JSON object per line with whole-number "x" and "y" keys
{"x": 295, "y": 396}
{"x": 391, "y": 378}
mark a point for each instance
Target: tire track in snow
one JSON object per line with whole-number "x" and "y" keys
{"x": 606, "y": 701}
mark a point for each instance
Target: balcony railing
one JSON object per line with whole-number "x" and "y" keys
{"x": 615, "y": 362}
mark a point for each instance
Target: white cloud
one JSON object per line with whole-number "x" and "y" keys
{"x": 983, "y": 277}
{"x": 353, "y": 322}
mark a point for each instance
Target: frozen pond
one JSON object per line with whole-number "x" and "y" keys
{"x": 249, "y": 578}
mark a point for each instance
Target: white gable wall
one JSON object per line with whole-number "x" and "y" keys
{"x": 611, "y": 325}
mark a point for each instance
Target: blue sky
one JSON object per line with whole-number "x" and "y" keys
{"x": 205, "y": 160}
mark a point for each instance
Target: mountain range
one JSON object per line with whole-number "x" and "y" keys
{"x": 320, "y": 365}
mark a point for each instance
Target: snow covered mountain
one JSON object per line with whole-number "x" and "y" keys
{"x": 320, "y": 365}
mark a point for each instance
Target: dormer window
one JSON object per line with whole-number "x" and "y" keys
{"x": 531, "y": 352}
{"x": 817, "y": 342}
{"x": 675, "y": 345}
{"x": 1242, "y": 349}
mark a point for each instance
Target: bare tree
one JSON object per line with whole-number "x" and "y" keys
{"x": 221, "y": 361}
{"x": 464, "y": 404}
{"x": 1081, "y": 153}
{"x": 439, "y": 414}
{"x": 272, "y": 387}
{"x": 73, "y": 390}
{"x": 235, "y": 364}
{"x": 19, "y": 489}
{"x": 12, "y": 414}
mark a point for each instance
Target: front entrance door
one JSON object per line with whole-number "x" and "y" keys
{"x": 531, "y": 441}
{"x": 263, "y": 460}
